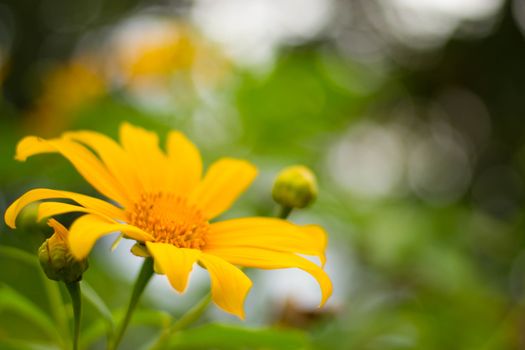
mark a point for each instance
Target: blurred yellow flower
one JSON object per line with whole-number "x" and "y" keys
{"x": 166, "y": 204}
{"x": 66, "y": 88}
{"x": 171, "y": 50}
{"x": 152, "y": 51}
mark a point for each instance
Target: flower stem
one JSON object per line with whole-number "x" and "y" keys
{"x": 284, "y": 212}
{"x": 185, "y": 320}
{"x": 192, "y": 315}
{"x": 140, "y": 284}
{"x": 74, "y": 291}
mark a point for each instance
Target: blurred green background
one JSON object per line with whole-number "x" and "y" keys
{"x": 410, "y": 112}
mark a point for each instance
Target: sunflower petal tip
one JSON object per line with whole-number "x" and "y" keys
{"x": 241, "y": 315}
{"x": 326, "y": 294}
{"x": 9, "y": 217}
{"x": 254, "y": 169}
{"x": 127, "y": 126}
{"x": 323, "y": 301}
{"x": 124, "y": 126}
{"x": 179, "y": 287}
{"x": 234, "y": 311}
{"x": 20, "y": 155}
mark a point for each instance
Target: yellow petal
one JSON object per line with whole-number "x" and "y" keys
{"x": 58, "y": 228}
{"x": 268, "y": 233}
{"x": 225, "y": 180}
{"x": 49, "y": 209}
{"x": 150, "y": 164}
{"x": 85, "y": 162}
{"x": 32, "y": 145}
{"x": 268, "y": 259}
{"x": 31, "y": 196}
{"x": 175, "y": 263}
{"x": 184, "y": 164}
{"x": 87, "y": 229}
{"x": 118, "y": 162}
{"x": 229, "y": 285}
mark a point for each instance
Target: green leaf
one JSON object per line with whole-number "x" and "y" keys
{"x": 51, "y": 287}
{"x": 13, "y": 301}
{"x": 18, "y": 344}
{"x": 20, "y": 255}
{"x": 221, "y": 336}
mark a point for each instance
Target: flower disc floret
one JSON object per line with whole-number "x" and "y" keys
{"x": 170, "y": 219}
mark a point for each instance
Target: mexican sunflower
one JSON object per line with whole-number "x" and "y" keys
{"x": 161, "y": 200}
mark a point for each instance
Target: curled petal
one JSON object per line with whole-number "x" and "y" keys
{"x": 84, "y": 161}
{"x": 268, "y": 259}
{"x": 49, "y": 209}
{"x": 38, "y": 194}
{"x": 229, "y": 285}
{"x": 268, "y": 233}
{"x": 87, "y": 229}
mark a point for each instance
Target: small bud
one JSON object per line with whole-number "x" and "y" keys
{"x": 55, "y": 258}
{"x": 295, "y": 187}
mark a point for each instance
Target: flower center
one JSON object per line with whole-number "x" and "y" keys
{"x": 170, "y": 219}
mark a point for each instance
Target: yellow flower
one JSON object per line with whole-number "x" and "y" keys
{"x": 65, "y": 90}
{"x": 148, "y": 53}
{"x": 161, "y": 52}
{"x": 166, "y": 203}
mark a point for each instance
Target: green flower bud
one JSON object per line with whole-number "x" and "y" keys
{"x": 55, "y": 258}
{"x": 295, "y": 187}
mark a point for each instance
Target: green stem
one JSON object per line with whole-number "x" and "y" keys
{"x": 140, "y": 284}
{"x": 57, "y": 306}
{"x": 76, "y": 300}
{"x": 192, "y": 315}
{"x": 284, "y": 212}
{"x": 185, "y": 320}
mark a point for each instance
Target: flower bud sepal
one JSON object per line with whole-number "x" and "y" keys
{"x": 56, "y": 260}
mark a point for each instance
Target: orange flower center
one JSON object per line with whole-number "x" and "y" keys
{"x": 170, "y": 219}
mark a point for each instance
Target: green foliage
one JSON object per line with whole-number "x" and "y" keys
{"x": 299, "y": 101}
{"x": 96, "y": 301}
{"x": 14, "y": 302}
{"x": 409, "y": 273}
{"x": 222, "y": 336}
